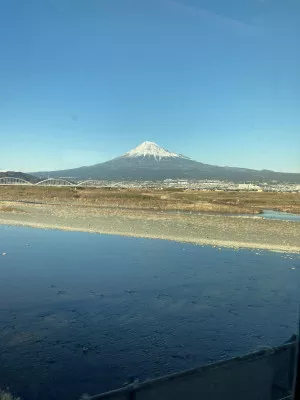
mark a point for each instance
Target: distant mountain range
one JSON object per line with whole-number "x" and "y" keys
{"x": 149, "y": 161}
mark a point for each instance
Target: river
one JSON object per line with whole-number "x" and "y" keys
{"x": 84, "y": 312}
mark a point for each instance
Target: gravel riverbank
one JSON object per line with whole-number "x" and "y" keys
{"x": 216, "y": 230}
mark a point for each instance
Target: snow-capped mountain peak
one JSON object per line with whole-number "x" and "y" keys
{"x": 151, "y": 149}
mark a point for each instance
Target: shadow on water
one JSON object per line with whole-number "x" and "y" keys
{"x": 83, "y": 313}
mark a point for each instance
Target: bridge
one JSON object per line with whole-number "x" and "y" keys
{"x": 92, "y": 183}
{"x": 54, "y": 182}
{"x": 9, "y": 181}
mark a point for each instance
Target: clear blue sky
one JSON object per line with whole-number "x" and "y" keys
{"x": 82, "y": 81}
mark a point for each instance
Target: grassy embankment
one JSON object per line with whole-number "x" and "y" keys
{"x": 155, "y": 199}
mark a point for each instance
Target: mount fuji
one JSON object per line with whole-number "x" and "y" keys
{"x": 149, "y": 161}
{"x": 151, "y": 149}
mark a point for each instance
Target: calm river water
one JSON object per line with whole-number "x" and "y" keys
{"x": 82, "y": 313}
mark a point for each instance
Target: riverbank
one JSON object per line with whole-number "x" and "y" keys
{"x": 156, "y": 199}
{"x": 216, "y": 230}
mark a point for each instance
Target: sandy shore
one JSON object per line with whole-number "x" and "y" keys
{"x": 215, "y": 230}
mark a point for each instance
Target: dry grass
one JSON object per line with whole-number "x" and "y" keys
{"x": 7, "y": 396}
{"x": 10, "y": 209}
{"x": 156, "y": 199}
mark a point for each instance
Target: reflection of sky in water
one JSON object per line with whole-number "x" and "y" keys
{"x": 271, "y": 214}
{"x": 76, "y": 306}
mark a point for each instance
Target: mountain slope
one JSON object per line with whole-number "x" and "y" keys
{"x": 149, "y": 161}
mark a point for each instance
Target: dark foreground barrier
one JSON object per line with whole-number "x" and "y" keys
{"x": 265, "y": 375}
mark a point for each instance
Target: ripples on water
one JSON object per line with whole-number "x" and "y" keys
{"x": 82, "y": 313}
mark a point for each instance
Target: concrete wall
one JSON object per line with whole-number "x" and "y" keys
{"x": 266, "y": 375}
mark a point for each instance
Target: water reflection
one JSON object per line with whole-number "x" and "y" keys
{"x": 271, "y": 214}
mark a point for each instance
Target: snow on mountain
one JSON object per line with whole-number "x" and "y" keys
{"x": 151, "y": 149}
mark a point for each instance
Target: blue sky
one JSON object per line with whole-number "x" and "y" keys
{"x": 83, "y": 81}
